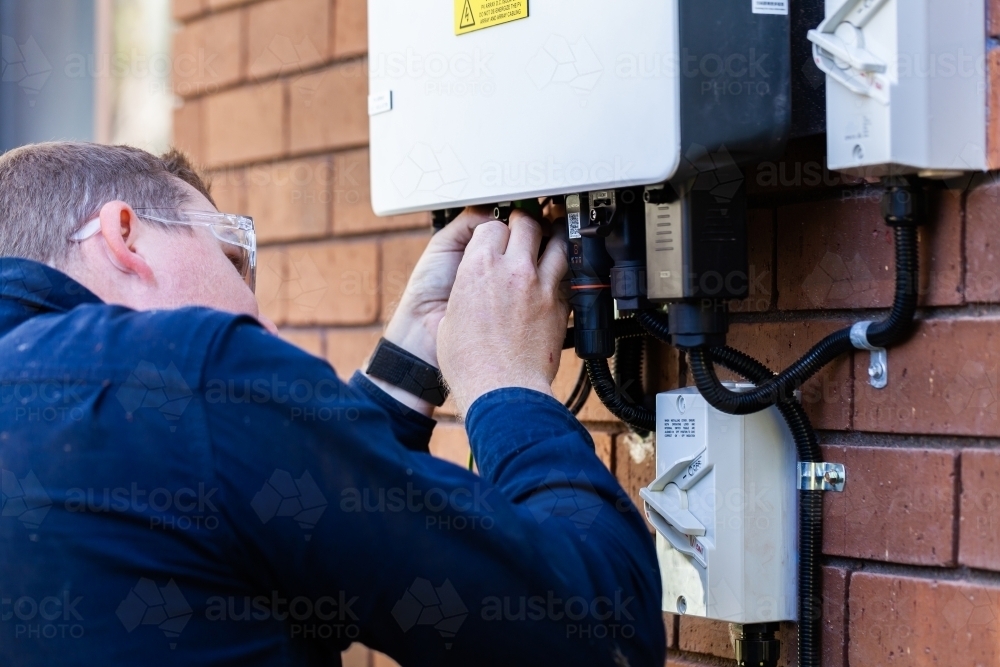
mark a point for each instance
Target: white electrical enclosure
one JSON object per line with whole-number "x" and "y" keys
{"x": 724, "y": 508}
{"x": 906, "y": 85}
{"x": 554, "y": 103}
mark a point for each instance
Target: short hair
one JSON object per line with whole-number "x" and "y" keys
{"x": 48, "y": 190}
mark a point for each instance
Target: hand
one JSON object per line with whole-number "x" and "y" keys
{"x": 506, "y": 319}
{"x": 414, "y": 324}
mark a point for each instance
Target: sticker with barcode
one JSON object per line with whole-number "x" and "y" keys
{"x": 779, "y": 7}
{"x": 574, "y": 225}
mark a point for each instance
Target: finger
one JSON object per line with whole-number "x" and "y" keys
{"x": 457, "y": 234}
{"x": 490, "y": 237}
{"x": 525, "y": 235}
{"x": 554, "y": 264}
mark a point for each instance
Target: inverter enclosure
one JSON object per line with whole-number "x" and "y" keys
{"x": 724, "y": 506}
{"x": 581, "y": 95}
{"x": 906, "y": 85}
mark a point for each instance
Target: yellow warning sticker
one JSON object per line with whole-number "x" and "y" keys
{"x": 478, "y": 14}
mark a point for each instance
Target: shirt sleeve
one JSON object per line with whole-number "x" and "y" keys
{"x": 412, "y": 429}
{"x": 541, "y": 560}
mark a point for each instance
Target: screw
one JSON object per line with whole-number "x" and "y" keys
{"x": 832, "y": 477}
{"x": 876, "y": 370}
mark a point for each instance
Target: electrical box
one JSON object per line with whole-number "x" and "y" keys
{"x": 724, "y": 508}
{"x": 483, "y": 102}
{"x": 906, "y": 85}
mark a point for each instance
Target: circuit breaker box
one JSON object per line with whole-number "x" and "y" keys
{"x": 906, "y": 85}
{"x": 487, "y": 101}
{"x": 724, "y": 507}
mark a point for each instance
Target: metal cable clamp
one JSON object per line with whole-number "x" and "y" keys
{"x": 878, "y": 361}
{"x": 822, "y": 476}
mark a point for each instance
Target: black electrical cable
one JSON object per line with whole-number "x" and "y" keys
{"x": 580, "y": 393}
{"x": 636, "y": 416}
{"x": 628, "y": 327}
{"x": 810, "y": 506}
{"x": 880, "y": 334}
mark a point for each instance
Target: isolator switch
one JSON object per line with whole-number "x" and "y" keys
{"x": 724, "y": 507}
{"x": 906, "y": 86}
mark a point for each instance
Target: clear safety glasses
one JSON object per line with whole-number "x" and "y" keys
{"x": 236, "y": 232}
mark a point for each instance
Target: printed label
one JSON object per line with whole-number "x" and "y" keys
{"x": 473, "y": 15}
{"x": 779, "y": 7}
{"x": 574, "y": 225}
{"x": 678, "y": 428}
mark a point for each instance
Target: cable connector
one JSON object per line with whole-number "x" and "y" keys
{"x": 878, "y": 361}
{"x": 822, "y": 476}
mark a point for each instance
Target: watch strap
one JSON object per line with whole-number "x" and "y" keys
{"x": 391, "y": 363}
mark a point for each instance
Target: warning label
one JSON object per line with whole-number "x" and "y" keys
{"x": 679, "y": 428}
{"x": 478, "y": 14}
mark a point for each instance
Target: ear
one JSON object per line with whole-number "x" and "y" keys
{"x": 120, "y": 229}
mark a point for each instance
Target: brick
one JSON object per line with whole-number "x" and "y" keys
{"x": 271, "y": 271}
{"x": 288, "y": 200}
{"x": 993, "y": 16}
{"x": 827, "y": 396}
{"x": 839, "y": 254}
{"x": 207, "y": 54}
{"x": 833, "y": 641}
{"x": 332, "y": 283}
{"x": 910, "y": 622}
{"x": 569, "y": 371}
{"x": 604, "y": 444}
{"x": 356, "y": 656}
{"x": 329, "y": 109}
{"x": 228, "y": 188}
{"x": 244, "y": 125}
{"x": 760, "y": 251}
{"x": 670, "y": 625}
{"x": 702, "y": 635}
{"x": 348, "y": 349}
{"x": 350, "y": 28}
{"x": 285, "y": 36}
{"x": 993, "y": 97}
{"x": 183, "y": 10}
{"x": 351, "y": 197}
{"x": 451, "y": 443}
{"x": 979, "y": 526}
{"x": 400, "y": 255}
{"x": 943, "y": 380}
{"x": 223, "y": 4}
{"x": 635, "y": 465}
{"x": 309, "y": 341}
{"x": 675, "y": 659}
{"x": 898, "y": 505}
{"x": 982, "y": 242}
{"x": 188, "y": 137}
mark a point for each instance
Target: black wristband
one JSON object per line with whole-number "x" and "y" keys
{"x": 399, "y": 368}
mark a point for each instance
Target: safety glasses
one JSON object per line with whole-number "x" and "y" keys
{"x": 236, "y": 232}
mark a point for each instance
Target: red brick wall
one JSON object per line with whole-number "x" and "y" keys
{"x": 274, "y": 107}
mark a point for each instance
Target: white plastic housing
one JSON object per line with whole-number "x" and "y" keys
{"x": 534, "y": 107}
{"x": 724, "y": 507}
{"x": 926, "y": 112}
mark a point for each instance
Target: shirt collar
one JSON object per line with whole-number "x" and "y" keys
{"x": 40, "y": 287}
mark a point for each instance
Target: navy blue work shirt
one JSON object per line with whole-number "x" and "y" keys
{"x": 181, "y": 487}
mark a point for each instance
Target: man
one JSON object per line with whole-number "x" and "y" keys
{"x": 182, "y": 487}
